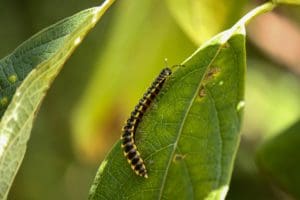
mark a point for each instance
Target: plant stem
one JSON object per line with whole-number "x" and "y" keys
{"x": 266, "y": 7}
{"x": 103, "y": 7}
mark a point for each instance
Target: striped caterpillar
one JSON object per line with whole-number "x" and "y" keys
{"x": 128, "y": 131}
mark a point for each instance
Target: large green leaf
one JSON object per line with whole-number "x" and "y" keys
{"x": 279, "y": 159}
{"x": 38, "y": 60}
{"x": 190, "y": 134}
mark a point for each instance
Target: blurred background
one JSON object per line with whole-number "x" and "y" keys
{"x": 83, "y": 112}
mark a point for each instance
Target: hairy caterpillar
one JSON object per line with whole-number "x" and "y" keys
{"x": 128, "y": 131}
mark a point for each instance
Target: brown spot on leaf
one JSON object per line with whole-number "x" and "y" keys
{"x": 178, "y": 157}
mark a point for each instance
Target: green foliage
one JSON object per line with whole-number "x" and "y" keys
{"x": 279, "y": 159}
{"x": 46, "y": 52}
{"x": 190, "y": 135}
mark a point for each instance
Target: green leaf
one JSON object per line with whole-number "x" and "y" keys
{"x": 200, "y": 20}
{"x": 279, "y": 159}
{"x": 95, "y": 111}
{"x": 190, "y": 134}
{"x": 297, "y": 2}
{"x": 38, "y": 60}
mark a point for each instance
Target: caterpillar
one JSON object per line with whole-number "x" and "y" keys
{"x": 128, "y": 132}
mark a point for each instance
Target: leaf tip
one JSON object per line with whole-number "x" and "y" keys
{"x": 99, "y": 10}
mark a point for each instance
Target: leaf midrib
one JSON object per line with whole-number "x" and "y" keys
{"x": 183, "y": 122}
